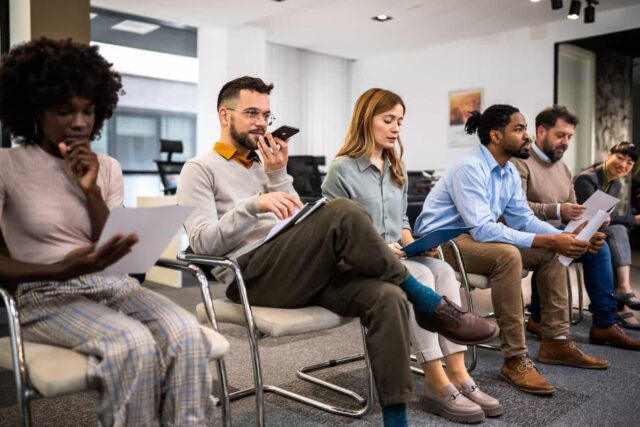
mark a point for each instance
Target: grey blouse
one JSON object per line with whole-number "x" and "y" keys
{"x": 361, "y": 181}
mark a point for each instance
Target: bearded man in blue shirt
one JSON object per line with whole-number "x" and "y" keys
{"x": 477, "y": 191}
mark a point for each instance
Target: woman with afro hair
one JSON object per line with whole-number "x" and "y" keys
{"x": 147, "y": 356}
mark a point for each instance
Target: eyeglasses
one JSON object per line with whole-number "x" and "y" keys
{"x": 252, "y": 114}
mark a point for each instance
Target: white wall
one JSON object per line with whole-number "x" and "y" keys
{"x": 515, "y": 67}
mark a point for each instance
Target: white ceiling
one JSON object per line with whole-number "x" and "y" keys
{"x": 344, "y": 27}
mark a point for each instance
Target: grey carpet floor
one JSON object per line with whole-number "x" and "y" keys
{"x": 587, "y": 398}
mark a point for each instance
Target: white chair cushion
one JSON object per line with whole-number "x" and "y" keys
{"x": 482, "y": 282}
{"x": 54, "y": 371}
{"x": 275, "y": 322}
{"x": 220, "y": 345}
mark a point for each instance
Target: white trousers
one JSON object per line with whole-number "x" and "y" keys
{"x": 439, "y": 276}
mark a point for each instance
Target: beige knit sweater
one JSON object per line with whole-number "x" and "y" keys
{"x": 546, "y": 185}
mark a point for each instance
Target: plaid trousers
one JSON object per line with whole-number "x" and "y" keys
{"x": 148, "y": 357}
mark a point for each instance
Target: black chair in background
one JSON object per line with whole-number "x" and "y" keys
{"x": 419, "y": 185}
{"x": 307, "y": 178}
{"x": 168, "y": 169}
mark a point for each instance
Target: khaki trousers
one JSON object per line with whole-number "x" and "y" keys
{"x": 336, "y": 259}
{"x": 503, "y": 263}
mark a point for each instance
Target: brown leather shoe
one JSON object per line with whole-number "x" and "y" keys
{"x": 566, "y": 352}
{"x": 533, "y": 327}
{"x": 458, "y": 325}
{"x": 521, "y": 372}
{"x": 613, "y": 335}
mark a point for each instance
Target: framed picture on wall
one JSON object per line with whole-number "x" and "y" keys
{"x": 461, "y": 104}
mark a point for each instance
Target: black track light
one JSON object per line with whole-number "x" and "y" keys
{"x": 556, "y": 4}
{"x": 590, "y": 12}
{"x": 574, "y": 9}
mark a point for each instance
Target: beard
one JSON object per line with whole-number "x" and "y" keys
{"x": 553, "y": 154}
{"x": 521, "y": 153}
{"x": 243, "y": 139}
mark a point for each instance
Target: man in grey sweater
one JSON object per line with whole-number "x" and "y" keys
{"x": 334, "y": 258}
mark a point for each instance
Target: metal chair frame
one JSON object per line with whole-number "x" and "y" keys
{"x": 259, "y": 388}
{"x": 579, "y": 275}
{"x": 25, "y": 392}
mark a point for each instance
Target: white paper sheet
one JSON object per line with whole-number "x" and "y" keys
{"x": 599, "y": 201}
{"x": 155, "y": 228}
{"x": 587, "y": 232}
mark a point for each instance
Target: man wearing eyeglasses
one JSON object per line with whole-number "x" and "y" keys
{"x": 334, "y": 258}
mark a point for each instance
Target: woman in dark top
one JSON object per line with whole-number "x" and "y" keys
{"x": 606, "y": 177}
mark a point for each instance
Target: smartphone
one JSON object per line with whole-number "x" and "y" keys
{"x": 285, "y": 132}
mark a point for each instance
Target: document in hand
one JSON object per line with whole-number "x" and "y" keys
{"x": 433, "y": 239}
{"x": 599, "y": 201}
{"x": 587, "y": 232}
{"x": 155, "y": 228}
{"x": 296, "y": 218}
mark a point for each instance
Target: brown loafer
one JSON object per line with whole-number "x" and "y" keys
{"x": 522, "y": 373}
{"x": 458, "y": 325}
{"x": 615, "y": 336}
{"x": 566, "y": 352}
{"x": 533, "y": 327}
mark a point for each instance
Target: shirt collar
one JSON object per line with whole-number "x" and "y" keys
{"x": 364, "y": 162}
{"x": 541, "y": 155}
{"x": 492, "y": 163}
{"x": 231, "y": 153}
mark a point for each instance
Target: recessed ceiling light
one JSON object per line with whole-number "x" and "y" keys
{"x": 535, "y": 1}
{"x": 137, "y": 27}
{"x": 92, "y": 15}
{"x": 382, "y": 18}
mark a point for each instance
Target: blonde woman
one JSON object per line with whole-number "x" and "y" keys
{"x": 369, "y": 170}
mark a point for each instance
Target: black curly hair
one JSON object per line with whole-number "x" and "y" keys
{"x": 42, "y": 73}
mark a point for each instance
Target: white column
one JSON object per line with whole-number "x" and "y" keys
{"x": 20, "y": 21}
{"x": 212, "y": 74}
{"x": 224, "y": 55}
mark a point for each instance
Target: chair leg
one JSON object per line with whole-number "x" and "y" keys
{"x": 467, "y": 293}
{"x": 303, "y": 373}
{"x": 24, "y": 393}
{"x": 580, "y": 274}
{"x": 366, "y": 402}
{"x": 580, "y": 316}
{"x": 207, "y": 298}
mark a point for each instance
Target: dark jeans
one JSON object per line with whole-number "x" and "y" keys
{"x": 599, "y": 283}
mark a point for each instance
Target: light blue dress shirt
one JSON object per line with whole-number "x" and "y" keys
{"x": 475, "y": 192}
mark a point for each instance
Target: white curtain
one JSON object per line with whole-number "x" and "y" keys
{"x": 312, "y": 92}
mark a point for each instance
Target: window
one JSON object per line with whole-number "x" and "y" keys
{"x": 133, "y": 137}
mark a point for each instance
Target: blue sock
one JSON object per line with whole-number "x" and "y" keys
{"x": 424, "y": 299}
{"x": 395, "y": 415}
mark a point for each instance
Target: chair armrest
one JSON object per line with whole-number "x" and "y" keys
{"x": 201, "y": 278}
{"x": 211, "y": 261}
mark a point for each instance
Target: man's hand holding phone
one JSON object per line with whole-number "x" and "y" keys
{"x": 274, "y": 148}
